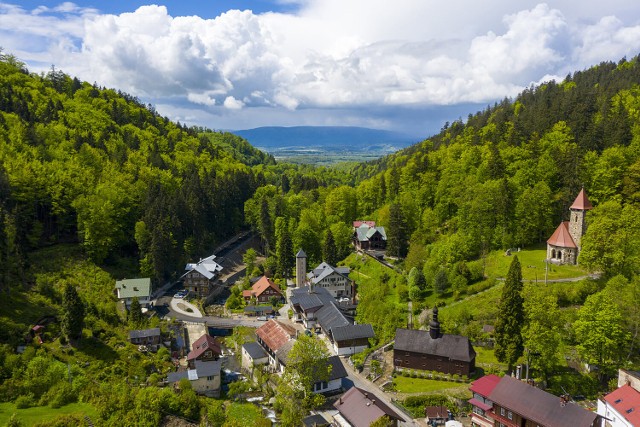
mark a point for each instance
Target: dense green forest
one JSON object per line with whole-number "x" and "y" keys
{"x": 95, "y": 185}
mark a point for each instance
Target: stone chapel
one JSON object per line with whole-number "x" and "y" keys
{"x": 563, "y": 247}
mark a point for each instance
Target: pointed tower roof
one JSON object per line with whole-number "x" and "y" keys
{"x": 301, "y": 254}
{"x": 561, "y": 237}
{"x": 582, "y": 202}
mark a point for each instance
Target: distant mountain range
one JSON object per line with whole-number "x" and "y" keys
{"x": 274, "y": 139}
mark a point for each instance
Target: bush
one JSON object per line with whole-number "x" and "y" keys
{"x": 25, "y": 401}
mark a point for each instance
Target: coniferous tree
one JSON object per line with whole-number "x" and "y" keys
{"x": 285, "y": 260}
{"x": 73, "y": 313}
{"x": 397, "y": 239}
{"x": 135, "y": 312}
{"x": 329, "y": 250}
{"x": 508, "y": 332}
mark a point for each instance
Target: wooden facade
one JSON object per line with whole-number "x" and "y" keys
{"x": 197, "y": 284}
{"x": 429, "y": 362}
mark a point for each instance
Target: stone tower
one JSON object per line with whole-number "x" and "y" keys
{"x": 301, "y": 268}
{"x": 578, "y": 212}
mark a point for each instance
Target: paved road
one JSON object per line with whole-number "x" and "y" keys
{"x": 166, "y": 309}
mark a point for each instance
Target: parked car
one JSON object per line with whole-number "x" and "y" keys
{"x": 263, "y": 318}
{"x": 181, "y": 294}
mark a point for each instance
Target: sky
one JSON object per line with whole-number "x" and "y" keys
{"x": 402, "y": 65}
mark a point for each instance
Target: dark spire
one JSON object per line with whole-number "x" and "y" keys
{"x": 434, "y": 325}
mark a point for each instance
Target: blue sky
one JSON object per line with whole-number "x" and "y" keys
{"x": 406, "y": 65}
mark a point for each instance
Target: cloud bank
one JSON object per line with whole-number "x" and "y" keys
{"x": 332, "y": 62}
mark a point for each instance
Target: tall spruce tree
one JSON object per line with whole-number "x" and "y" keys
{"x": 135, "y": 312}
{"x": 285, "y": 261}
{"x": 397, "y": 239}
{"x": 73, "y": 313}
{"x": 329, "y": 249}
{"x": 508, "y": 332}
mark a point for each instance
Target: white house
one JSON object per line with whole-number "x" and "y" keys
{"x": 333, "y": 279}
{"x": 128, "y": 289}
{"x": 204, "y": 378}
{"x": 621, "y": 407}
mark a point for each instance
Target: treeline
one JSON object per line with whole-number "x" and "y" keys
{"x": 81, "y": 163}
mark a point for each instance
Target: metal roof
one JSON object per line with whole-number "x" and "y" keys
{"x": 131, "y": 288}
{"x": 561, "y": 237}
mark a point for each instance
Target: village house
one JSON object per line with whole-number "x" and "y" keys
{"x": 433, "y": 351}
{"x": 264, "y": 290}
{"x": 204, "y": 349}
{"x": 563, "y": 247}
{"x": 360, "y": 408}
{"x": 204, "y": 377}
{"x": 333, "y": 279}
{"x": 367, "y": 236}
{"x": 621, "y": 407}
{"x": 316, "y": 308}
{"x": 147, "y": 337}
{"x": 200, "y": 277}
{"x": 510, "y": 402}
{"x": 276, "y": 338}
{"x": 128, "y": 289}
{"x": 253, "y": 355}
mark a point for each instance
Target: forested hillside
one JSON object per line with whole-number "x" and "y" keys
{"x": 506, "y": 177}
{"x": 79, "y": 163}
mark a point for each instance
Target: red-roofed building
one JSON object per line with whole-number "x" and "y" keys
{"x": 273, "y": 336}
{"x": 563, "y": 247}
{"x": 263, "y": 290}
{"x": 205, "y": 349}
{"x": 481, "y": 389}
{"x": 621, "y": 407}
{"x": 513, "y": 403}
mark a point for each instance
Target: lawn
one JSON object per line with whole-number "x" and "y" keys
{"x": 533, "y": 265}
{"x": 31, "y": 416}
{"x": 422, "y": 385}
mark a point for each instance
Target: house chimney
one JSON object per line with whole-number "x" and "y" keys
{"x": 434, "y": 325}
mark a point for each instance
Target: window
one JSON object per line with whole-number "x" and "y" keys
{"x": 502, "y": 411}
{"x": 510, "y": 415}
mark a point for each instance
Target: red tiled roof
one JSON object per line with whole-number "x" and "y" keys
{"x": 626, "y": 401}
{"x": 561, "y": 237}
{"x": 262, "y": 285}
{"x": 485, "y": 385}
{"x": 582, "y": 202}
{"x": 275, "y": 334}
{"x": 202, "y": 344}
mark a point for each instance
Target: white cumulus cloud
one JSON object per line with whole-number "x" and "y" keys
{"x": 358, "y": 57}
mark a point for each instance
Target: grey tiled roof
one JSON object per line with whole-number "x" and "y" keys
{"x": 255, "y": 350}
{"x": 455, "y": 347}
{"x": 202, "y": 369}
{"x": 351, "y": 332}
{"x": 539, "y": 406}
{"x": 144, "y": 333}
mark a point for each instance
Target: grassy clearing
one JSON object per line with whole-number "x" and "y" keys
{"x": 31, "y": 416}
{"x": 422, "y": 385}
{"x": 533, "y": 265}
